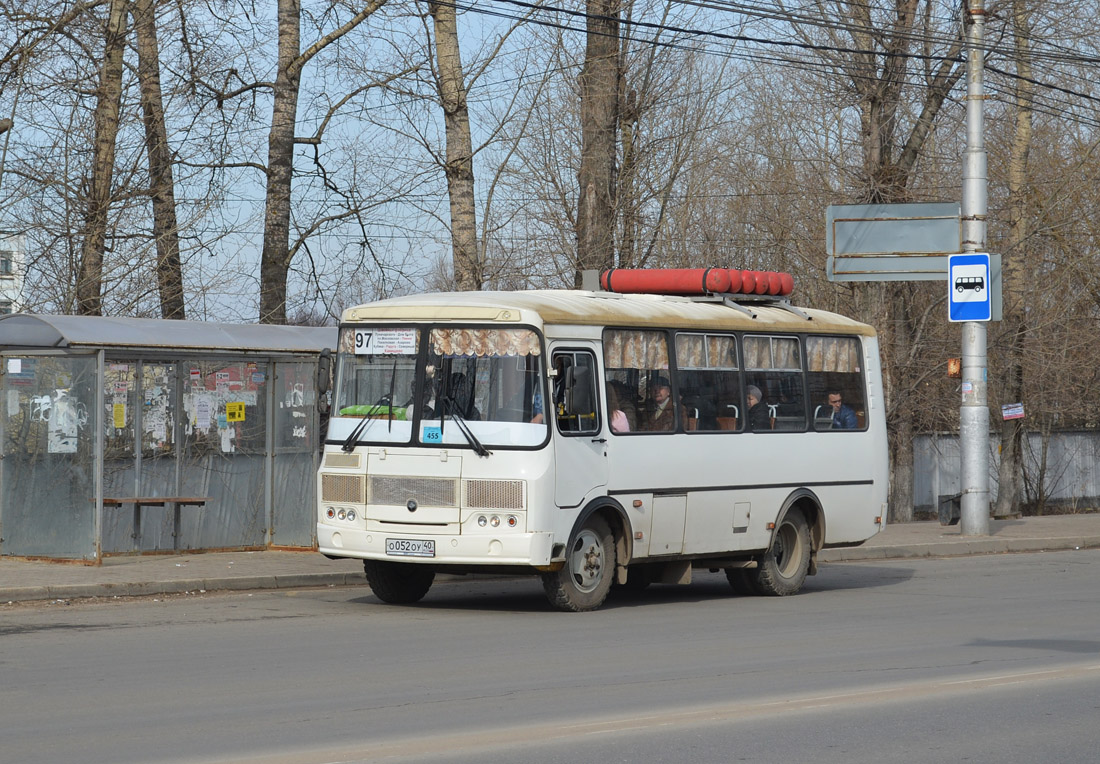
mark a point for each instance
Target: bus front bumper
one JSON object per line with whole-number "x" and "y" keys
{"x": 510, "y": 548}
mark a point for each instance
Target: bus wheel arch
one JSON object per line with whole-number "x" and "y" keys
{"x": 810, "y": 505}
{"x": 789, "y": 558}
{"x": 596, "y": 552}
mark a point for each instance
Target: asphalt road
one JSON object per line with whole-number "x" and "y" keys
{"x": 992, "y": 659}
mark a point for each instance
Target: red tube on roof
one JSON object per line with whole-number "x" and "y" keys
{"x": 684, "y": 281}
{"x": 696, "y": 281}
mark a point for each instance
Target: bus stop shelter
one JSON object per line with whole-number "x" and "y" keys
{"x": 131, "y": 436}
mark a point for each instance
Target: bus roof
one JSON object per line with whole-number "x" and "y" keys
{"x": 582, "y": 308}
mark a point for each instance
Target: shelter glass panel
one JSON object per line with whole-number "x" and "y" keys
{"x": 47, "y": 475}
{"x": 223, "y": 457}
{"x": 295, "y": 458}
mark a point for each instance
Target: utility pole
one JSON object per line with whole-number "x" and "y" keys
{"x": 974, "y": 411}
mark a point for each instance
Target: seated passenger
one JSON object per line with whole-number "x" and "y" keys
{"x": 661, "y": 415}
{"x": 617, "y": 419}
{"x": 757, "y": 417}
{"x": 843, "y": 417}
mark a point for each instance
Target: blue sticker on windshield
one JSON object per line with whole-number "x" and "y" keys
{"x": 433, "y": 435}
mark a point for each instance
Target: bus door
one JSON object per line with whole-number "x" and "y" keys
{"x": 580, "y": 452}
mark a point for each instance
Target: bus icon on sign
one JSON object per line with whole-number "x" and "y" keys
{"x": 977, "y": 283}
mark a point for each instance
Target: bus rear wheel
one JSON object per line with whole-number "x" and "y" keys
{"x": 585, "y": 579}
{"x": 398, "y": 583}
{"x": 782, "y": 569}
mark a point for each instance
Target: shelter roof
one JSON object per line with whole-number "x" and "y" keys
{"x": 25, "y": 330}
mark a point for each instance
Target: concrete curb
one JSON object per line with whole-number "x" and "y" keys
{"x": 149, "y": 588}
{"x": 958, "y": 548}
{"x": 945, "y": 548}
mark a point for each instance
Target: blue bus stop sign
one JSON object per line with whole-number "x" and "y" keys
{"x": 968, "y": 287}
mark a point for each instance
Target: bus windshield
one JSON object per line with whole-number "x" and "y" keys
{"x": 469, "y": 387}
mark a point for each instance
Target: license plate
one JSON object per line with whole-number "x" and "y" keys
{"x": 410, "y": 547}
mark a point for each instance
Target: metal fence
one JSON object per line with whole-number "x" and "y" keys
{"x": 1066, "y": 476}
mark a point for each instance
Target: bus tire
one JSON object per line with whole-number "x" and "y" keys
{"x": 398, "y": 583}
{"x": 782, "y": 569}
{"x": 585, "y": 579}
{"x": 741, "y": 580}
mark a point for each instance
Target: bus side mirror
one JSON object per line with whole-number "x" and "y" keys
{"x": 324, "y": 379}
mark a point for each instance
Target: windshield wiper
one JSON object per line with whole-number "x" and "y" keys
{"x": 349, "y": 443}
{"x": 467, "y": 433}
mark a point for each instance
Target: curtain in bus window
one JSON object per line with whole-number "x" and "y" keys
{"x": 628, "y": 349}
{"x": 484, "y": 342}
{"x": 832, "y": 354}
{"x": 835, "y": 381}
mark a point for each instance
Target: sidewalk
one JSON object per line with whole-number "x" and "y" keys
{"x": 22, "y": 580}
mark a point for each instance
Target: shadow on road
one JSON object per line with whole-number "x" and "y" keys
{"x": 524, "y": 595}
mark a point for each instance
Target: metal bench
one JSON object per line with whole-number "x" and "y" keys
{"x": 156, "y": 501}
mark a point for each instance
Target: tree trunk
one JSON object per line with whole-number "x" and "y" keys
{"x": 1010, "y": 471}
{"x": 599, "y": 85}
{"x": 469, "y": 272}
{"x": 161, "y": 183}
{"x": 89, "y": 286}
{"x": 277, "y": 252}
{"x": 275, "y": 257}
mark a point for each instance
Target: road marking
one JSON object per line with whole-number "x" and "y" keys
{"x": 456, "y": 743}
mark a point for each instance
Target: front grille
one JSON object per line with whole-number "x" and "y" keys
{"x": 427, "y": 492}
{"x": 342, "y": 488}
{"x": 494, "y": 494}
{"x": 342, "y": 460}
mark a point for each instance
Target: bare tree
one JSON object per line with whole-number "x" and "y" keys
{"x": 89, "y": 289}
{"x": 459, "y": 168}
{"x": 599, "y": 91}
{"x": 275, "y": 259}
{"x": 161, "y": 182}
{"x": 1010, "y": 469}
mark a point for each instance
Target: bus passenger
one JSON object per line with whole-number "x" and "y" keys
{"x": 757, "y": 416}
{"x": 843, "y": 416}
{"x": 661, "y": 415}
{"x": 617, "y": 419}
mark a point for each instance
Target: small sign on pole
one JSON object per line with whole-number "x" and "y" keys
{"x": 1012, "y": 411}
{"x": 968, "y": 287}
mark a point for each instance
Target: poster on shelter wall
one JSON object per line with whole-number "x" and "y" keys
{"x": 62, "y": 425}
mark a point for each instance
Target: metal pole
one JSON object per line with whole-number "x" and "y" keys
{"x": 974, "y": 411}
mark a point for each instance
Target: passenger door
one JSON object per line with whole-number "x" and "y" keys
{"x": 579, "y": 449}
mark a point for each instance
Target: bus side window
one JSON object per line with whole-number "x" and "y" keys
{"x": 774, "y": 366}
{"x": 835, "y": 379}
{"x": 710, "y": 383}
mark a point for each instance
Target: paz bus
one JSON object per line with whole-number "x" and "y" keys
{"x": 667, "y": 421}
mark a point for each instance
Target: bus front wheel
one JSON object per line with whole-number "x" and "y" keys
{"x": 782, "y": 569}
{"x": 585, "y": 579}
{"x": 398, "y": 583}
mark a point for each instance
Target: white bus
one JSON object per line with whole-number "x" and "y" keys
{"x": 600, "y": 439}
